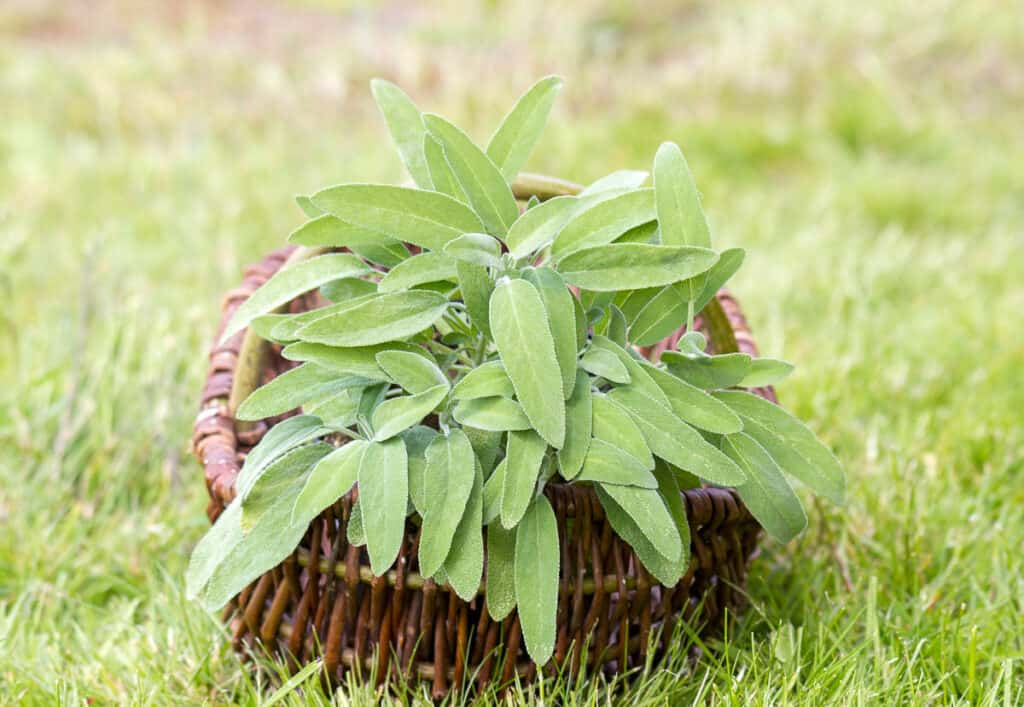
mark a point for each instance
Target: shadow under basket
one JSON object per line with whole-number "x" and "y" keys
{"x": 323, "y": 600}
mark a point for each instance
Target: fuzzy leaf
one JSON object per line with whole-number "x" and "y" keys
{"x": 664, "y": 570}
{"x": 500, "y": 580}
{"x": 607, "y": 464}
{"x": 765, "y": 371}
{"x": 680, "y": 215}
{"x": 417, "y": 439}
{"x": 329, "y": 230}
{"x": 668, "y": 489}
{"x": 293, "y": 388}
{"x": 604, "y": 364}
{"x": 496, "y": 414}
{"x": 414, "y": 372}
{"x": 464, "y": 565}
{"x": 476, "y": 286}
{"x": 424, "y": 218}
{"x": 790, "y": 442}
{"x": 604, "y": 221}
{"x": 660, "y": 317}
{"x": 561, "y": 316}
{"x": 398, "y": 414}
{"x": 388, "y": 317}
{"x": 622, "y": 179}
{"x": 419, "y": 270}
{"x": 484, "y": 381}
{"x": 536, "y": 228}
{"x": 628, "y": 266}
{"x": 355, "y": 533}
{"x": 486, "y": 189}
{"x": 729, "y": 261}
{"x": 645, "y": 507}
{"x": 406, "y": 127}
{"x": 356, "y": 360}
{"x": 522, "y": 467}
{"x": 766, "y": 493}
{"x": 578, "y": 426}
{"x": 276, "y": 478}
{"x": 383, "y": 497}
{"x": 287, "y": 329}
{"x": 513, "y": 141}
{"x": 639, "y": 379}
{"x": 279, "y": 439}
{"x": 536, "y": 578}
{"x": 331, "y": 478}
{"x": 523, "y": 337}
{"x": 337, "y": 411}
{"x": 612, "y": 424}
{"x": 290, "y": 282}
{"x": 708, "y": 372}
{"x": 493, "y": 487}
{"x": 616, "y": 325}
{"x": 347, "y": 289}
{"x": 487, "y": 445}
{"x": 693, "y": 405}
{"x": 441, "y": 173}
{"x": 449, "y": 479}
{"x": 475, "y": 248}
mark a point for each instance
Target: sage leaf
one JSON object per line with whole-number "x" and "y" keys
{"x": 790, "y": 442}
{"x": 293, "y": 388}
{"x": 561, "y": 316}
{"x": 680, "y": 215}
{"x": 668, "y": 489}
{"x": 417, "y": 439}
{"x": 355, "y": 533}
{"x": 628, "y": 266}
{"x": 622, "y": 179}
{"x": 424, "y": 218}
{"x": 475, "y": 248}
{"x": 607, "y": 464}
{"x": 660, "y": 317}
{"x": 336, "y": 411}
{"x": 450, "y": 475}
{"x": 495, "y": 414}
{"x": 604, "y": 221}
{"x": 287, "y": 330}
{"x": 383, "y": 496}
{"x": 440, "y": 171}
{"x": 639, "y": 378}
{"x": 332, "y": 477}
{"x": 708, "y": 372}
{"x": 279, "y": 439}
{"x": 513, "y": 141}
{"x": 616, "y": 325}
{"x": 536, "y": 228}
{"x": 398, "y": 414}
{"x": 486, "y": 189}
{"x": 664, "y": 570}
{"x": 414, "y": 372}
{"x": 523, "y": 337}
{"x": 329, "y": 230}
{"x": 346, "y": 289}
{"x": 578, "y": 427}
{"x": 406, "y": 127}
{"x": 644, "y": 233}
{"x": 604, "y": 364}
{"x": 536, "y": 578}
{"x": 487, "y": 380}
{"x": 307, "y": 206}
{"x": 464, "y": 565}
{"x": 493, "y": 488}
{"x": 674, "y": 441}
{"x": 290, "y": 282}
{"x": 693, "y": 405}
{"x": 765, "y": 371}
{"x": 476, "y": 286}
{"x": 729, "y": 261}
{"x": 388, "y": 317}
{"x": 264, "y": 324}
{"x": 612, "y": 424}
{"x": 500, "y": 580}
{"x": 355, "y": 361}
{"x": 645, "y": 507}
{"x": 766, "y": 493}
{"x": 525, "y": 453}
{"x": 488, "y": 445}
{"x": 419, "y": 270}
{"x": 276, "y": 478}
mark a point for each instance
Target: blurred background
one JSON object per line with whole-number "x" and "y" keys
{"x": 867, "y": 155}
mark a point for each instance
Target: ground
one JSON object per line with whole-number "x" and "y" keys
{"x": 867, "y": 155}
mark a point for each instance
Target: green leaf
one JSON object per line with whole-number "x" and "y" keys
{"x": 264, "y": 324}
{"x": 287, "y": 329}
{"x": 485, "y": 187}
{"x": 331, "y": 478}
{"x": 293, "y": 388}
{"x": 476, "y": 286}
{"x": 523, "y": 337}
{"x": 645, "y": 507}
{"x": 693, "y": 405}
{"x": 607, "y": 464}
{"x": 406, "y": 127}
{"x": 383, "y": 497}
{"x": 307, "y": 206}
{"x": 628, "y": 266}
{"x": 729, "y": 262}
{"x": 526, "y": 451}
{"x": 389, "y": 317}
{"x": 766, "y": 493}
{"x": 419, "y": 270}
{"x": 280, "y": 474}
{"x": 279, "y": 439}
{"x": 536, "y": 578}
{"x": 680, "y": 215}
{"x": 668, "y": 489}
{"x": 450, "y": 475}
{"x": 765, "y": 371}
{"x": 604, "y": 364}
{"x": 398, "y": 414}
{"x": 347, "y": 289}
{"x": 708, "y": 372}
{"x": 424, "y": 218}
{"x": 464, "y": 565}
{"x": 513, "y": 141}
{"x": 580, "y": 320}
{"x": 484, "y": 381}
{"x": 612, "y": 424}
{"x": 290, "y": 282}
{"x": 639, "y": 378}
{"x": 355, "y": 360}
{"x": 500, "y": 580}
{"x": 660, "y": 317}
{"x": 536, "y": 228}
{"x": 674, "y": 441}
{"x": 331, "y": 231}
{"x": 417, "y": 439}
{"x": 337, "y": 411}
{"x": 578, "y": 426}
{"x": 440, "y": 171}
{"x": 793, "y": 446}
{"x": 561, "y": 316}
{"x": 493, "y": 488}
{"x": 414, "y": 372}
{"x": 355, "y": 533}
{"x": 616, "y": 325}
{"x": 664, "y": 570}
{"x": 622, "y": 179}
{"x": 604, "y": 221}
{"x": 496, "y": 414}
{"x": 475, "y": 248}
{"x": 644, "y": 233}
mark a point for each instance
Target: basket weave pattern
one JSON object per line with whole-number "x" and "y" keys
{"x": 324, "y": 600}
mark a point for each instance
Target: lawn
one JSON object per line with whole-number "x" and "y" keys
{"x": 867, "y": 155}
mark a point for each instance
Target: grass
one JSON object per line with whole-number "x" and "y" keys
{"x": 867, "y": 155}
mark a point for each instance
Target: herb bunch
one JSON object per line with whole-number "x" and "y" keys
{"x": 476, "y": 351}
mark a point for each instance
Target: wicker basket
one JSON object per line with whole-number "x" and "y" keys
{"x": 324, "y": 600}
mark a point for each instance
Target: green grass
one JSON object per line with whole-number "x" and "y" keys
{"x": 866, "y": 155}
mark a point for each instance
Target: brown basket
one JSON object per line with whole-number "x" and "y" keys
{"x": 324, "y": 600}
